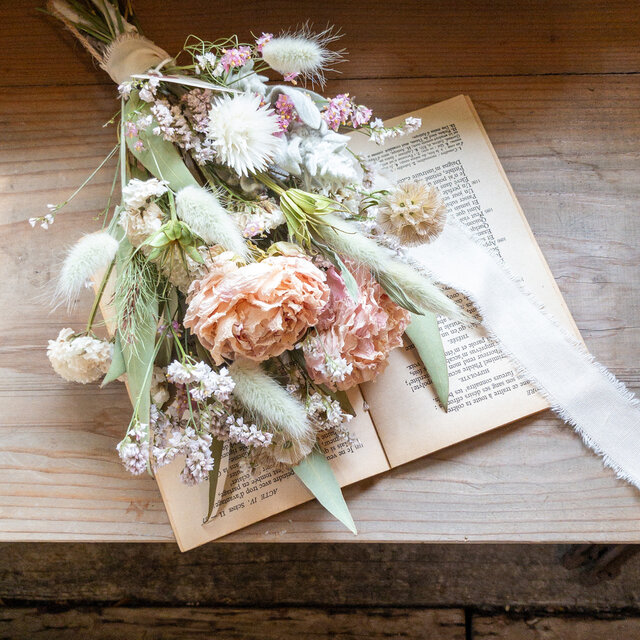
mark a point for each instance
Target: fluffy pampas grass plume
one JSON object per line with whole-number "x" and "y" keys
{"x": 90, "y": 254}
{"x": 204, "y": 214}
{"x": 394, "y": 276}
{"x": 303, "y": 54}
{"x": 275, "y": 410}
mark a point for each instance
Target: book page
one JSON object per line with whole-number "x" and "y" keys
{"x": 246, "y": 499}
{"x": 452, "y": 151}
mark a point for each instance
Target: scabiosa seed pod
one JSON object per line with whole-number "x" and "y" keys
{"x": 303, "y": 54}
{"x": 275, "y": 409}
{"x": 414, "y": 212}
{"x": 90, "y": 254}
{"x": 204, "y": 214}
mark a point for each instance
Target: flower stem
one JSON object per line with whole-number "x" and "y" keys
{"x": 270, "y": 183}
{"x": 99, "y": 294}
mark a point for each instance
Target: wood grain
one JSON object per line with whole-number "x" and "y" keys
{"x": 406, "y": 38}
{"x": 247, "y": 624}
{"x": 548, "y": 628}
{"x": 485, "y": 577}
{"x": 569, "y": 145}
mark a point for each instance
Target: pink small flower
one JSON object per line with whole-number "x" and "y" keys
{"x": 360, "y": 116}
{"x": 262, "y": 40}
{"x": 139, "y": 146}
{"x": 338, "y": 111}
{"x": 131, "y": 128}
{"x": 233, "y": 58}
{"x": 285, "y": 110}
{"x": 291, "y": 77}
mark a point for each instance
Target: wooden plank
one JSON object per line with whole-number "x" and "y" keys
{"x": 119, "y": 623}
{"x": 59, "y": 475}
{"x": 548, "y": 628}
{"x": 400, "y": 39}
{"x": 484, "y": 577}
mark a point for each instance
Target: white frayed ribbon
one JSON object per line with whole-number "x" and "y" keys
{"x": 131, "y": 54}
{"x": 581, "y": 391}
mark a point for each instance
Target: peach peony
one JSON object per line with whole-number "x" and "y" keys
{"x": 352, "y": 340}
{"x": 257, "y": 311}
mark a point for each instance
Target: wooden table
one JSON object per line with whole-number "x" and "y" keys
{"x": 556, "y": 86}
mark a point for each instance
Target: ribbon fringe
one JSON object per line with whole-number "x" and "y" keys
{"x": 584, "y": 393}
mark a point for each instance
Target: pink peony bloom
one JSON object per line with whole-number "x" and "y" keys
{"x": 352, "y": 340}
{"x": 257, "y": 311}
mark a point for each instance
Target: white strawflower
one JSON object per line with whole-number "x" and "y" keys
{"x": 139, "y": 224}
{"x": 81, "y": 359}
{"x": 242, "y": 133}
{"x": 413, "y": 211}
{"x": 137, "y": 193}
{"x": 302, "y": 54}
{"x": 204, "y": 214}
{"x": 91, "y": 253}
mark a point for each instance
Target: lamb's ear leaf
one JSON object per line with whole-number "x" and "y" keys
{"x": 157, "y": 155}
{"x": 117, "y": 367}
{"x": 423, "y": 331}
{"x": 316, "y": 474}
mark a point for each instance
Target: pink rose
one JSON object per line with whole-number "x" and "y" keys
{"x": 257, "y": 311}
{"x": 352, "y": 340}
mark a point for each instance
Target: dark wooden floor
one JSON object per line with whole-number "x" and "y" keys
{"x": 534, "y": 592}
{"x": 125, "y": 591}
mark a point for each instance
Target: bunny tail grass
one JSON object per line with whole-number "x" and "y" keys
{"x": 204, "y": 214}
{"x": 400, "y": 280}
{"x": 90, "y": 254}
{"x": 275, "y": 409}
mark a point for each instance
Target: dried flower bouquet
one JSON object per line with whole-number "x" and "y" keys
{"x": 258, "y": 263}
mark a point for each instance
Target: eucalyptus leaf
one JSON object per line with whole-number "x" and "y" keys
{"x": 425, "y": 335}
{"x": 216, "y": 453}
{"x": 316, "y": 474}
{"x": 117, "y": 367}
{"x": 159, "y": 156}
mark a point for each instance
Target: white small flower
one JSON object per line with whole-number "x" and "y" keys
{"x": 52, "y": 207}
{"x": 81, "y": 359}
{"x": 139, "y": 224}
{"x": 33, "y": 221}
{"x": 137, "y": 193}
{"x": 412, "y": 124}
{"x": 243, "y": 133}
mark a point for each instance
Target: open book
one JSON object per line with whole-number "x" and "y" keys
{"x": 398, "y": 417}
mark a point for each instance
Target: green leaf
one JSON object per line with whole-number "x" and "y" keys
{"x": 117, "y": 367}
{"x": 140, "y": 354}
{"x": 425, "y": 335}
{"x": 317, "y": 475}
{"x": 216, "y": 454}
{"x": 159, "y": 156}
